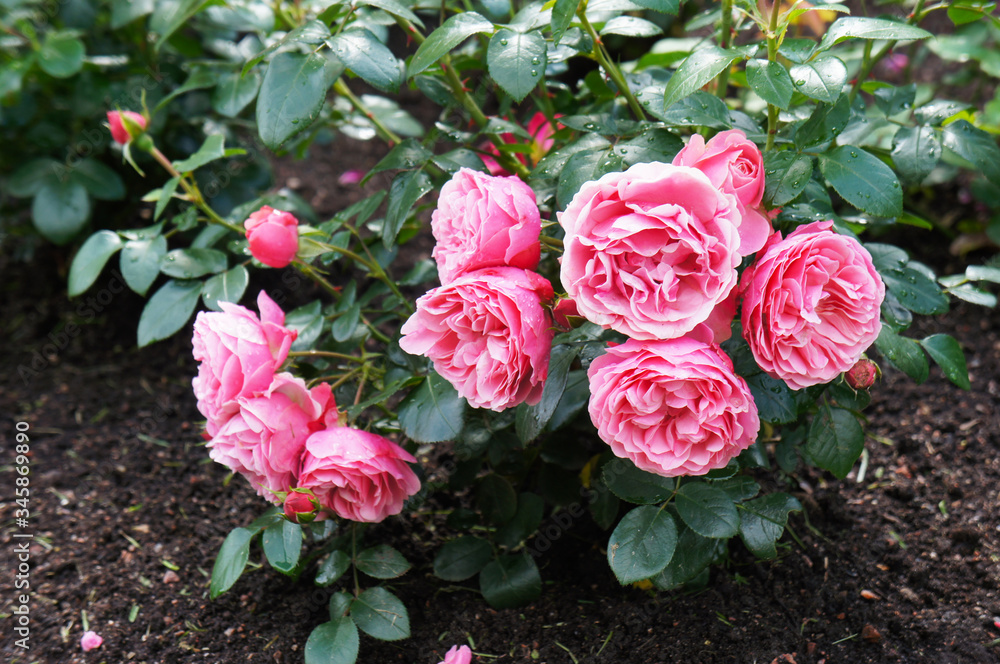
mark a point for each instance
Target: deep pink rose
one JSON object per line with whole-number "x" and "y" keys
{"x": 485, "y": 221}
{"x": 265, "y": 439}
{"x": 540, "y": 130}
{"x": 458, "y": 655}
{"x": 487, "y": 334}
{"x": 90, "y": 641}
{"x": 735, "y": 166}
{"x": 673, "y": 407}
{"x": 566, "y": 315}
{"x": 239, "y": 354}
{"x": 650, "y": 252}
{"x": 357, "y": 475}
{"x": 300, "y": 507}
{"x": 811, "y": 305}
{"x": 273, "y": 236}
{"x": 119, "y": 132}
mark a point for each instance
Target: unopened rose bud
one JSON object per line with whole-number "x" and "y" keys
{"x": 273, "y": 236}
{"x": 300, "y": 507}
{"x": 566, "y": 314}
{"x": 120, "y": 130}
{"x": 90, "y": 641}
{"x": 863, "y": 374}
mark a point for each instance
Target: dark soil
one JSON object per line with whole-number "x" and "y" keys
{"x": 127, "y": 513}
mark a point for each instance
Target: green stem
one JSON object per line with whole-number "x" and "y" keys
{"x": 604, "y": 59}
{"x": 868, "y": 62}
{"x": 379, "y": 273}
{"x": 327, "y": 353}
{"x": 354, "y": 557}
{"x": 384, "y": 132}
{"x": 725, "y": 40}
{"x": 191, "y": 189}
{"x": 551, "y": 243}
{"x": 772, "y": 56}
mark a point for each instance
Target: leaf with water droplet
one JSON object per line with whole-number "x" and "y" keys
{"x": 862, "y": 180}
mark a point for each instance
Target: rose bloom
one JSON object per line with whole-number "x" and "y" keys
{"x": 650, "y": 252}
{"x": 357, "y": 475}
{"x": 673, "y": 407}
{"x": 264, "y": 441}
{"x": 811, "y": 305}
{"x": 239, "y": 354}
{"x": 487, "y": 334}
{"x": 735, "y": 166}
{"x": 485, "y": 221}
{"x": 119, "y": 132}
{"x": 458, "y": 655}
{"x": 541, "y": 132}
{"x": 273, "y": 236}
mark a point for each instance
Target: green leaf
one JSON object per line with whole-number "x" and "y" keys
{"x": 532, "y": 419}
{"x": 642, "y": 544}
{"x": 738, "y": 488}
{"x": 140, "y": 262}
{"x": 915, "y": 152}
{"x": 367, "y": 57}
{"x": 395, "y": 8}
{"x": 863, "y": 180}
{"x": 983, "y": 273}
{"x": 771, "y": 82}
{"x": 835, "y": 440}
{"x": 340, "y": 604}
{"x": 433, "y": 412}
{"x": 227, "y": 286}
{"x": 697, "y": 70}
{"x": 938, "y": 110}
{"x": 661, "y": 6}
{"x": 496, "y": 499}
{"x": 822, "y": 79}
{"x": 848, "y": 27}
{"x": 894, "y": 100}
{"x": 382, "y": 562}
{"x": 631, "y": 26}
{"x": 604, "y": 506}
{"x": 166, "y": 193}
{"x": 60, "y": 210}
{"x": 124, "y": 12}
{"x": 786, "y": 176}
{"x": 975, "y": 146}
{"x": 168, "y": 310}
{"x": 945, "y": 350}
{"x": 61, "y": 54}
{"x": 100, "y": 181}
{"x": 231, "y": 560}
{"x": 510, "y": 581}
{"x": 199, "y": 79}
{"x": 407, "y": 188}
{"x": 634, "y": 485}
{"x": 334, "y": 642}
{"x": 292, "y": 94}
{"x": 314, "y": 32}
{"x": 973, "y": 294}
{"x": 213, "y": 148}
{"x": 447, "y": 36}
{"x": 516, "y": 61}
{"x": 234, "y": 92}
{"x": 193, "y": 263}
{"x": 698, "y": 109}
{"x": 90, "y": 260}
{"x": 332, "y": 568}
{"x": 775, "y": 400}
{"x": 915, "y": 290}
{"x": 283, "y": 545}
{"x": 346, "y": 323}
{"x": 527, "y": 519}
{"x": 563, "y": 13}
{"x": 694, "y": 553}
{"x": 462, "y": 558}
{"x": 407, "y": 155}
{"x": 379, "y": 613}
{"x": 707, "y": 510}
{"x": 657, "y": 144}
{"x": 29, "y": 179}
{"x": 584, "y": 167}
{"x": 308, "y": 321}
{"x": 762, "y": 521}
{"x": 169, "y": 16}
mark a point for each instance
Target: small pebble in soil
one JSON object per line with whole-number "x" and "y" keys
{"x": 171, "y": 577}
{"x": 870, "y": 634}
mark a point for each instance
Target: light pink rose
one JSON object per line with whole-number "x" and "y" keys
{"x": 540, "y": 130}
{"x": 487, "y": 334}
{"x": 119, "y": 132}
{"x": 357, "y": 475}
{"x": 265, "y": 439}
{"x": 485, "y": 221}
{"x": 239, "y": 354}
{"x": 458, "y": 655}
{"x": 735, "y": 166}
{"x": 673, "y": 407}
{"x": 90, "y": 641}
{"x": 811, "y": 305}
{"x": 273, "y": 236}
{"x": 650, "y": 252}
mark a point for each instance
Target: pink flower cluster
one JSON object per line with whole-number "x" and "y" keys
{"x": 486, "y": 329}
{"x": 653, "y": 253}
{"x": 281, "y": 434}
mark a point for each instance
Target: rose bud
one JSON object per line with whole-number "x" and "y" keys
{"x": 566, "y": 315}
{"x": 863, "y": 374}
{"x": 90, "y": 641}
{"x": 300, "y": 507}
{"x": 273, "y": 236}
{"x": 119, "y": 129}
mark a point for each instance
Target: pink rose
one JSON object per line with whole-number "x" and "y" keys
{"x": 650, "y": 252}
{"x": 119, "y": 132}
{"x": 357, "y": 475}
{"x": 90, "y": 641}
{"x": 811, "y": 305}
{"x": 485, "y": 221}
{"x": 487, "y": 334}
{"x": 264, "y": 441}
{"x": 673, "y": 407}
{"x": 458, "y": 655}
{"x": 735, "y": 166}
{"x": 273, "y": 236}
{"x": 300, "y": 507}
{"x": 239, "y": 354}
{"x": 540, "y": 130}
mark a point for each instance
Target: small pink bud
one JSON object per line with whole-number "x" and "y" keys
{"x": 119, "y": 131}
{"x": 566, "y": 314}
{"x": 90, "y": 641}
{"x": 350, "y": 177}
{"x": 300, "y": 507}
{"x": 863, "y": 374}
{"x": 273, "y": 236}
{"x": 458, "y": 655}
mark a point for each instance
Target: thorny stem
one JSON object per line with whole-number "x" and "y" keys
{"x": 772, "y": 56}
{"x": 610, "y": 67}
